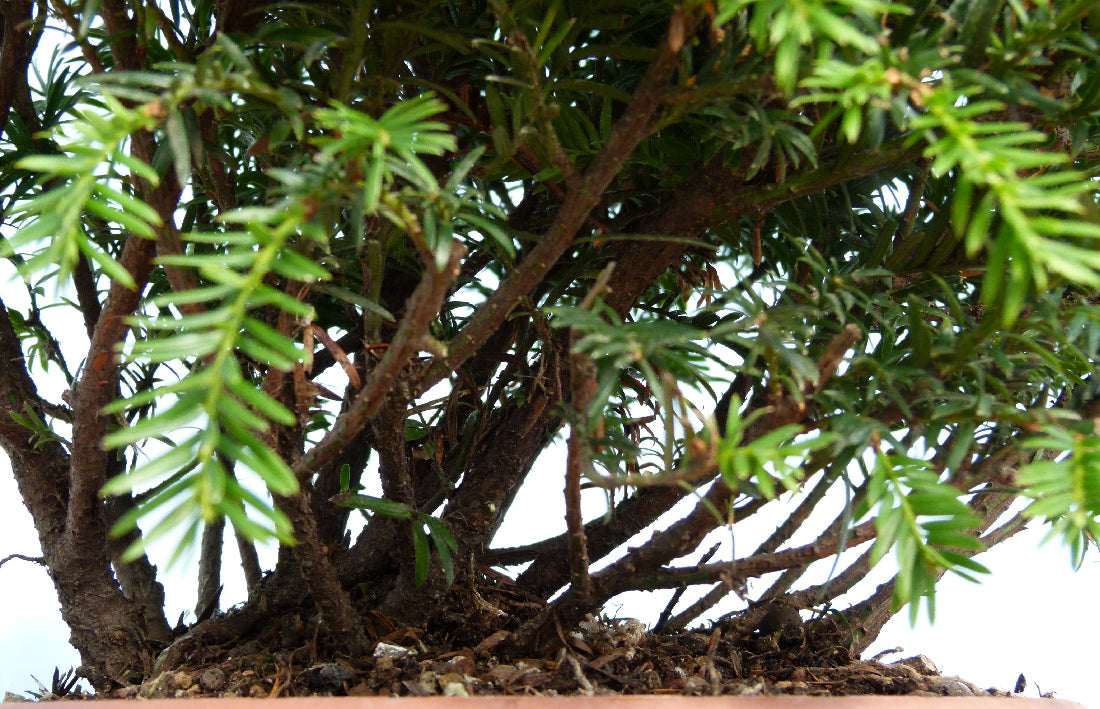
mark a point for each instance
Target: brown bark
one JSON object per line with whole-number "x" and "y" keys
{"x": 424, "y": 305}
{"x": 319, "y": 575}
{"x": 107, "y": 629}
{"x": 18, "y": 39}
{"x": 719, "y": 195}
{"x": 138, "y": 578}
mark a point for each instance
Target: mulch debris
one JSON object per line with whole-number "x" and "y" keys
{"x": 604, "y": 657}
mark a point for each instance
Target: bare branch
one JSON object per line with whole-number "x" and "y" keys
{"x": 33, "y": 559}
{"x": 752, "y": 566}
{"x": 423, "y": 307}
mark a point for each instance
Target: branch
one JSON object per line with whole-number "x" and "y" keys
{"x": 628, "y": 132}
{"x": 578, "y": 463}
{"x": 98, "y": 386}
{"x": 320, "y": 577}
{"x": 87, "y": 295}
{"x": 684, "y": 535}
{"x": 752, "y": 566}
{"x": 62, "y": 8}
{"x": 393, "y": 462}
{"x": 123, "y": 33}
{"x": 784, "y": 532}
{"x": 33, "y": 559}
{"x": 841, "y": 521}
{"x": 423, "y": 307}
{"x": 717, "y": 196}
{"x": 873, "y": 612}
{"x": 16, "y": 390}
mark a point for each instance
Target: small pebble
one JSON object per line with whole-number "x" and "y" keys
{"x": 212, "y": 680}
{"x": 951, "y": 687}
{"x": 391, "y": 651}
{"x": 920, "y": 663}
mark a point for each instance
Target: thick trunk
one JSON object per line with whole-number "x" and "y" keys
{"x": 108, "y": 630}
{"x": 319, "y": 576}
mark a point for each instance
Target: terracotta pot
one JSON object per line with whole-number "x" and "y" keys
{"x": 602, "y": 702}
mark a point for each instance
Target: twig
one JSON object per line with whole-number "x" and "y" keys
{"x": 719, "y": 195}
{"x": 86, "y": 48}
{"x": 749, "y": 567}
{"x": 86, "y": 293}
{"x": 582, "y": 374}
{"x": 663, "y": 619}
{"x": 578, "y": 674}
{"x": 33, "y": 559}
{"x": 578, "y": 460}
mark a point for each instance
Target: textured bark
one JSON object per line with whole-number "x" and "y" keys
{"x": 636, "y": 123}
{"x": 138, "y": 578}
{"x": 210, "y": 567}
{"x": 319, "y": 576}
{"x": 18, "y": 39}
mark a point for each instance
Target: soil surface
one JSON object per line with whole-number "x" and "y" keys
{"x": 780, "y": 656}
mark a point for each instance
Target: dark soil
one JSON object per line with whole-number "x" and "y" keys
{"x": 601, "y": 657}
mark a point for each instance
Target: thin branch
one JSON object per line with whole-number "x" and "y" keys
{"x": 62, "y": 8}
{"x": 873, "y": 612}
{"x": 578, "y": 462}
{"x": 665, "y": 621}
{"x": 46, "y": 492}
{"x": 423, "y": 307}
{"x": 751, "y": 566}
{"x": 87, "y": 295}
{"x": 33, "y": 559}
{"x": 210, "y": 566}
{"x": 839, "y": 523}
{"x": 98, "y": 384}
{"x": 124, "y": 33}
{"x": 719, "y": 195}
{"x": 97, "y": 387}
{"x": 582, "y": 375}
{"x": 250, "y": 562}
{"x": 180, "y": 52}
{"x": 393, "y": 462}
{"x": 801, "y": 513}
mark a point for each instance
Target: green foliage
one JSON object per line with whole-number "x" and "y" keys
{"x": 94, "y": 178}
{"x": 234, "y": 319}
{"x": 1005, "y": 173}
{"x": 922, "y": 518}
{"x": 767, "y": 458}
{"x": 1066, "y": 490}
{"x": 805, "y": 28}
{"x": 424, "y": 527}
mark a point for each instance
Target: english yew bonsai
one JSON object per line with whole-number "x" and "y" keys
{"x": 730, "y": 250}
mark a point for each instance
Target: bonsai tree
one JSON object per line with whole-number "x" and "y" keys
{"x": 350, "y": 263}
